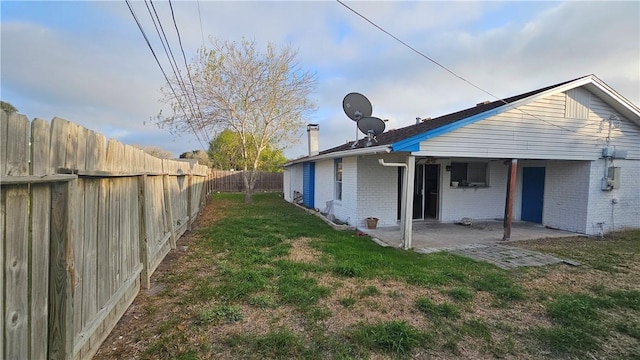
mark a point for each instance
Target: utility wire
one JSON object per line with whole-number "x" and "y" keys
{"x": 172, "y": 60}
{"x": 184, "y": 57}
{"x": 144, "y": 35}
{"x": 451, "y": 71}
{"x": 200, "y": 17}
{"x": 174, "y": 66}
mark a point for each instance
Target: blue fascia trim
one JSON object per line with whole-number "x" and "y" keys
{"x": 413, "y": 143}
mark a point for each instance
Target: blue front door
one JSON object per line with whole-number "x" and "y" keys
{"x": 532, "y": 194}
{"x": 308, "y": 184}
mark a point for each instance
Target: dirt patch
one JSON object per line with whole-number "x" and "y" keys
{"x": 302, "y": 252}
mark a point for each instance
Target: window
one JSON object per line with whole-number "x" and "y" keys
{"x": 338, "y": 178}
{"x": 472, "y": 174}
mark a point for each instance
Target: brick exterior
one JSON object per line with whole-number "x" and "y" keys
{"x": 324, "y": 183}
{"x": 476, "y": 203}
{"x": 377, "y": 190}
{"x": 566, "y": 195}
{"x": 345, "y": 210}
{"x": 604, "y": 215}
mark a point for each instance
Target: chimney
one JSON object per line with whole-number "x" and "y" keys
{"x": 312, "y": 133}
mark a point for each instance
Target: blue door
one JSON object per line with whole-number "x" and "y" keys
{"x": 308, "y": 184}
{"x": 532, "y": 194}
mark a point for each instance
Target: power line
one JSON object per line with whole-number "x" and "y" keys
{"x": 200, "y": 17}
{"x": 171, "y": 57}
{"x": 193, "y": 89}
{"x": 451, "y": 71}
{"x": 176, "y": 69}
{"x": 144, "y": 35}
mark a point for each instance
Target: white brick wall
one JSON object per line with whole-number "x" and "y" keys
{"x": 324, "y": 183}
{"x": 475, "y": 203}
{"x": 292, "y": 181}
{"x": 573, "y": 199}
{"x": 566, "y": 195}
{"x": 377, "y": 190}
{"x": 345, "y": 210}
{"x": 603, "y": 215}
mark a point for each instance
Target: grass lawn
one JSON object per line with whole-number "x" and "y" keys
{"x": 268, "y": 280}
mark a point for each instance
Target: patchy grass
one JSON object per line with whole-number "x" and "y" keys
{"x": 268, "y": 280}
{"x": 428, "y": 307}
{"x": 395, "y": 337}
{"x": 369, "y": 291}
{"x": 228, "y": 313}
{"x": 460, "y": 294}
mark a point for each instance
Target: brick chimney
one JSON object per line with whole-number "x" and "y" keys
{"x": 312, "y": 133}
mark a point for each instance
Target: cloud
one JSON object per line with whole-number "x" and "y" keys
{"x": 104, "y": 77}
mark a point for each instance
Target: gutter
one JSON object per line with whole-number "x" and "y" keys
{"x": 381, "y": 149}
{"x": 381, "y": 162}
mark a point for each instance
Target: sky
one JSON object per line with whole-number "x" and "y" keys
{"x": 87, "y": 62}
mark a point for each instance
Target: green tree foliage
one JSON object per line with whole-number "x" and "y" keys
{"x": 200, "y": 155}
{"x": 225, "y": 151}
{"x": 8, "y": 107}
{"x": 262, "y": 96}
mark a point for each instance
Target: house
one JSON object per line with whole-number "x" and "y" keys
{"x": 565, "y": 156}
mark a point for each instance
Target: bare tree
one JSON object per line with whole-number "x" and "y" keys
{"x": 263, "y": 96}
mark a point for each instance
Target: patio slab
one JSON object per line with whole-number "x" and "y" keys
{"x": 433, "y": 234}
{"x": 479, "y": 241}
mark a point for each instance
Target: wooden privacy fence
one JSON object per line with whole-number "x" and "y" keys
{"x": 84, "y": 222}
{"x": 232, "y": 181}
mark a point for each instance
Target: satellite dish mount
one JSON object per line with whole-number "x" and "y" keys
{"x": 357, "y": 107}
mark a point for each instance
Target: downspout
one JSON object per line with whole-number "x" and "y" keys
{"x": 406, "y": 224}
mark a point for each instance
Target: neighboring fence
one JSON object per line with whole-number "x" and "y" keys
{"x": 84, "y": 222}
{"x": 232, "y": 181}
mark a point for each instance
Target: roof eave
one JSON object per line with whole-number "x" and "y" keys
{"x": 338, "y": 154}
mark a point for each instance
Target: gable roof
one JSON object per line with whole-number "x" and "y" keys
{"x": 408, "y": 138}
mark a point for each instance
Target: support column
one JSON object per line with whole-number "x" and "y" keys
{"x": 511, "y": 189}
{"x": 407, "y": 208}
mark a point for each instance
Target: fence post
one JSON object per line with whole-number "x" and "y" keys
{"x": 167, "y": 208}
{"x": 189, "y": 199}
{"x": 61, "y": 272}
{"x": 144, "y": 246}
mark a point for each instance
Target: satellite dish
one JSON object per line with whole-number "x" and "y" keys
{"x": 356, "y": 106}
{"x": 371, "y": 126}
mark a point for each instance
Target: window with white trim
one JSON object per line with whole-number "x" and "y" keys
{"x": 337, "y": 164}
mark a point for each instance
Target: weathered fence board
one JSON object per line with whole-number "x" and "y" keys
{"x": 90, "y": 258}
{"x": 61, "y": 272}
{"x": 3, "y": 206}
{"x": 84, "y": 222}
{"x": 17, "y": 306}
{"x": 16, "y": 259}
{"x": 40, "y": 230}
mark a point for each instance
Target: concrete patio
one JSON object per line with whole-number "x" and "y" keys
{"x": 433, "y": 235}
